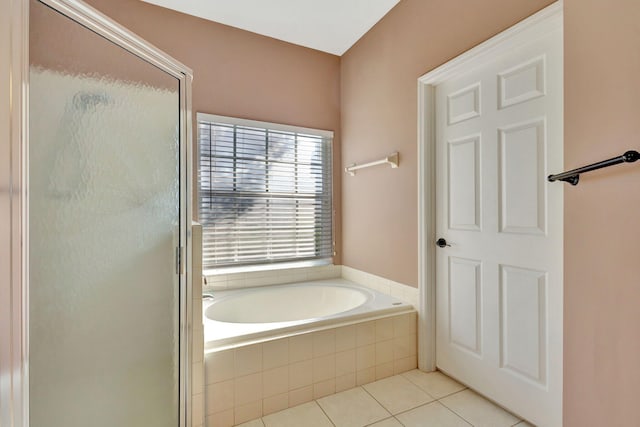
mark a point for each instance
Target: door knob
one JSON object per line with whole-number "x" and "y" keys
{"x": 441, "y": 243}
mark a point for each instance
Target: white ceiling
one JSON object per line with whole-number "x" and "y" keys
{"x": 331, "y": 26}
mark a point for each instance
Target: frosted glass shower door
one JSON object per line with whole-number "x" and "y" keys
{"x": 104, "y": 224}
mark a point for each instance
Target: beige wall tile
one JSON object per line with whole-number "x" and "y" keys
{"x": 275, "y": 354}
{"x": 248, "y": 411}
{"x": 345, "y": 338}
{"x": 275, "y": 403}
{"x": 404, "y": 325}
{"x": 324, "y": 368}
{"x": 384, "y": 351}
{"x": 384, "y": 370}
{"x": 404, "y": 346}
{"x": 248, "y": 360}
{"x": 384, "y": 329}
{"x": 345, "y": 382}
{"x": 219, "y": 366}
{"x": 300, "y": 374}
{"x": 219, "y": 396}
{"x": 300, "y": 396}
{"x": 324, "y": 342}
{"x": 300, "y": 348}
{"x": 404, "y": 365}
{"x": 365, "y": 333}
{"x": 345, "y": 362}
{"x": 220, "y": 419}
{"x": 248, "y": 389}
{"x": 275, "y": 381}
{"x": 324, "y": 388}
{"x": 366, "y": 376}
{"x": 365, "y": 357}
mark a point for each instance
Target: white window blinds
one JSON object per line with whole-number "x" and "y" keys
{"x": 264, "y": 192}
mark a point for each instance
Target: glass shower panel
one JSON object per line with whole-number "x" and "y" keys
{"x": 104, "y": 210}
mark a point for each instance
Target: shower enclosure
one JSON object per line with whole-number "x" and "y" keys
{"x": 105, "y": 228}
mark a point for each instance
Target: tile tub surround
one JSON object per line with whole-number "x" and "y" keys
{"x": 252, "y": 381}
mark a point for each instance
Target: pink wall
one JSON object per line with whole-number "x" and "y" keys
{"x": 242, "y": 74}
{"x": 379, "y": 115}
{"x": 602, "y": 214}
{"x": 602, "y": 119}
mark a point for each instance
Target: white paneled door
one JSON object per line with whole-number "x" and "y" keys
{"x": 499, "y": 270}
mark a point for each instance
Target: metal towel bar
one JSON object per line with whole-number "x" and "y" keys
{"x": 573, "y": 176}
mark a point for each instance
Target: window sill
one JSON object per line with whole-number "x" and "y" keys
{"x": 267, "y": 267}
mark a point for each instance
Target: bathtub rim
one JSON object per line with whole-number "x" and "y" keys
{"x": 302, "y": 331}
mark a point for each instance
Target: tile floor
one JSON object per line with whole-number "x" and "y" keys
{"x": 412, "y": 399}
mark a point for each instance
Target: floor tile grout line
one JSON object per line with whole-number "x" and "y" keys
{"x": 410, "y": 409}
{"x": 324, "y": 412}
{"x": 419, "y": 406}
{"x": 431, "y": 372}
{"x": 452, "y": 393}
{"x": 378, "y": 402}
{"x": 463, "y": 418}
{"x": 400, "y": 422}
{"x": 384, "y": 419}
{"x": 420, "y": 388}
{"x": 431, "y": 403}
{"x": 486, "y": 399}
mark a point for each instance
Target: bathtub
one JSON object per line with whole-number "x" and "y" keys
{"x": 253, "y": 315}
{"x": 274, "y": 347}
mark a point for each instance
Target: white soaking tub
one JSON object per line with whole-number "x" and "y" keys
{"x": 251, "y": 315}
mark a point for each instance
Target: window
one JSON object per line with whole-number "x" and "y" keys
{"x": 264, "y": 192}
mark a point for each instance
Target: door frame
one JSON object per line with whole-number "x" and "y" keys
{"x": 536, "y": 25}
{"x": 14, "y": 209}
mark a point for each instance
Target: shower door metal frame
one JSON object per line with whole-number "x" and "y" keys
{"x": 14, "y": 60}
{"x": 14, "y": 321}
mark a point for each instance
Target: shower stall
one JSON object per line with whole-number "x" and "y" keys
{"x": 103, "y": 210}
